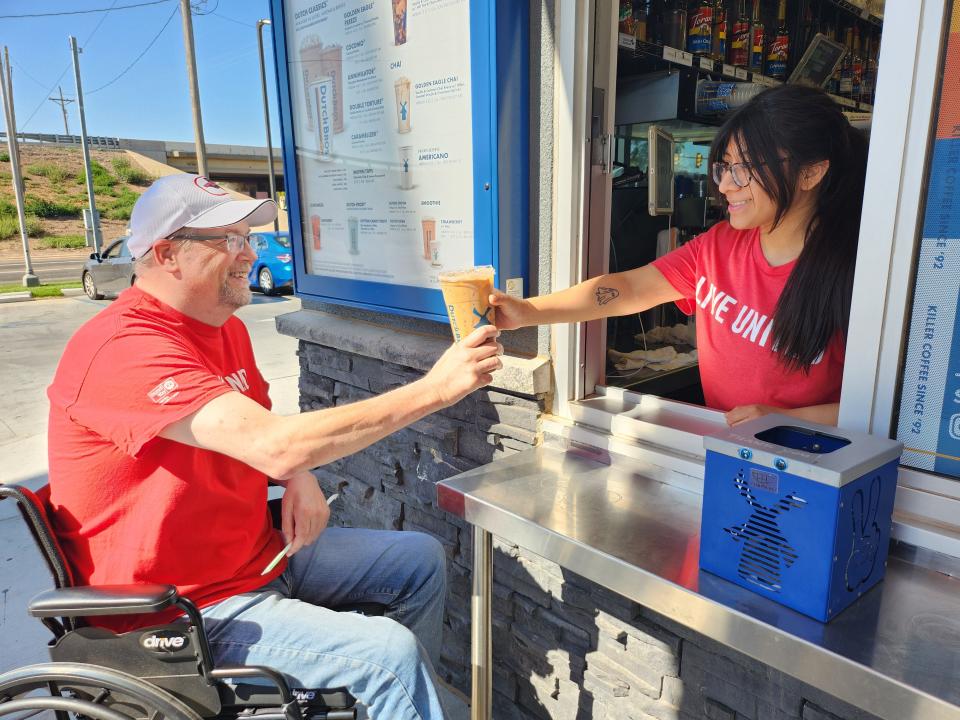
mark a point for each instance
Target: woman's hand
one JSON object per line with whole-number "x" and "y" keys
{"x": 824, "y": 414}
{"x": 742, "y": 413}
{"x": 304, "y": 510}
{"x": 511, "y": 312}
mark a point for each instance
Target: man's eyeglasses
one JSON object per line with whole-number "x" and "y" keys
{"x": 235, "y": 242}
{"x": 740, "y": 173}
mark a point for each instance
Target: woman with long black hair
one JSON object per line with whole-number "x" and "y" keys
{"x": 771, "y": 285}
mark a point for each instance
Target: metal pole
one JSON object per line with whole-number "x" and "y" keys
{"x": 266, "y": 119}
{"x": 62, "y": 102}
{"x": 94, "y": 217}
{"x": 13, "y": 113}
{"x": 481, "y": 628}
{"x": 194, "y": 87}
{"x": 29, "y": 278}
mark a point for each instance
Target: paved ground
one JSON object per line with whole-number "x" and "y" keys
{"x": 32, "y": 337}
{"x": 50, "y": 265}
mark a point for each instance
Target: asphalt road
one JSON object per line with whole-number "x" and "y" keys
{"x": 49, "y": 270}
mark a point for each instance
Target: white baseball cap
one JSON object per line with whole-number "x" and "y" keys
{"x": 183, "y": 200}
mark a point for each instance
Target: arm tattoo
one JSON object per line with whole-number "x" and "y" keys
{"x": 605, "y": 295}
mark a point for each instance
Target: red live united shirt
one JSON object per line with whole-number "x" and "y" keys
{"x": 129, "y": 506}
{"x": 726, "y": 280}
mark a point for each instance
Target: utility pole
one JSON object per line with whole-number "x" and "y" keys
{"x": 13, "y": 115}
{"x": 93, "y": 223}
{"x": 63, "y": 102}
{"x": 194, "y": 87}
{"x": 266, "y": 119}
{"x": 29, "y": 278}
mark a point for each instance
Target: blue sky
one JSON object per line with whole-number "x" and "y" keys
{"x": 152, "y": 100}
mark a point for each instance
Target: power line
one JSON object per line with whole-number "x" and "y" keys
{"x": 149, "y": 45}
{"x": 224, "y": 17}
{"x": 84, "y": 12}
{"x": 60, "y": 77}
{"x": 28, "y": 75}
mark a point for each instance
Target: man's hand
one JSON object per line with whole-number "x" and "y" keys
{"x": 466, "y": 366}
{"x": 511, "y": 313}
{"x": 742, "y": 413}
{"x": 304, "y": 510}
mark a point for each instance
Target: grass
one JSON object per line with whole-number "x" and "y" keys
{"x": 129, "y": 174}
{"x": 41, "y": 291}
{"x": 53, "y": 173}
{"x": 103, "y": 180}
{"x": 64, "y": 241}
{"x": 50, "y": 208}
{"x": 4, "y": 156}
{"x": 10, "y": 225}
{"x": 121, "y": 208}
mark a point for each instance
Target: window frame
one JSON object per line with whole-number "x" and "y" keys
{"x": 927, "y": 504}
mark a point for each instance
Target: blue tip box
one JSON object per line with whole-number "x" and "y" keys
{"x": 798, "y": 512}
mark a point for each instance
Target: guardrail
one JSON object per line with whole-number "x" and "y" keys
{"x": 103, "y": 143}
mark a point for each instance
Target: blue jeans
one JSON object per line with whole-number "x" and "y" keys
{"x": 384, "y": 661}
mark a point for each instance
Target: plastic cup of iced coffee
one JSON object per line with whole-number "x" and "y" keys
{"x": 466, "y": 296}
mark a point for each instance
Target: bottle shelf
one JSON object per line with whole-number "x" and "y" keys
{"x": 664, "y": 55}
{"x": 854, "y": 9}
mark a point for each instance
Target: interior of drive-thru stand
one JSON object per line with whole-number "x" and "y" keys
{"x": 682, "y": 67}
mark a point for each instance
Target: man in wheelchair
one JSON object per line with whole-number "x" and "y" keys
{"x": 161, "y": 445}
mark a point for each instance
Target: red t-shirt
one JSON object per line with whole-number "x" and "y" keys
{"x": 726, "y": 280}
{"x": 129, "y": 506}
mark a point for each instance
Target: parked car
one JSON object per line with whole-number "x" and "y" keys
{"x": 273, "y": 269}
{"x": 110, "y": 272}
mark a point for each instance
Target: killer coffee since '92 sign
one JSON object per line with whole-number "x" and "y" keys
{"x": 929, "y": 419}
{"x": 380, "y": 98}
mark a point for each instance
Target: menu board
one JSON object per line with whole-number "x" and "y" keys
{"x": 929, "y": 418}
{"x": 380, "y": 103}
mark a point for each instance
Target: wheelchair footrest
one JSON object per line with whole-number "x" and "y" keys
{"x": 276, "y": 713}
{"x": 312, "y": 701}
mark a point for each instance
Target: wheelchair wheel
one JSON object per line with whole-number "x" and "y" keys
{"x": 89, "y": 691}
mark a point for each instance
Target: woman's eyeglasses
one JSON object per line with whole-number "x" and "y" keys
{"x": 235, "y": 242}
{"x": 740, "y": 173}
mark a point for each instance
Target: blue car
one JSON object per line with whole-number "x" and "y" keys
{"x": 273, "y": 269}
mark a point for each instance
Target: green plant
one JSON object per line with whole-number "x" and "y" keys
{"x": 64, "y": 241}
{"x": 10, "y": 226}
{"x": 42, "y": 290}
{"x": 7, "y": 208}
{"x": 50, "y": 208}
{"x": 102, "y": 179}
{"x": 4, "y": 156}
{"x": 121, "y": 208}
{"x": 129, "y": 174}
{"x": 53, "y": 173}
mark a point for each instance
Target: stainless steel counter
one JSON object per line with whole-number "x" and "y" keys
{"x": 634, "y": 528}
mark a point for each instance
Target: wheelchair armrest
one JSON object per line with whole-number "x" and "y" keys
{"x": 103, "y": 600}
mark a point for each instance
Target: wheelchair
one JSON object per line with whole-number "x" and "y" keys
{"x": 162, "y": 671}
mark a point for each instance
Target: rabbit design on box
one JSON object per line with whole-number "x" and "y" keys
{"x": 764, "y": 551}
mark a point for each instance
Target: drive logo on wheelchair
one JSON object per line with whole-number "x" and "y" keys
{"x": 164, "y": 641}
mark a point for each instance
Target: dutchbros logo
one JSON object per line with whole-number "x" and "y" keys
{"x": 209, "y": 186}
{"x": 164, "y": 641}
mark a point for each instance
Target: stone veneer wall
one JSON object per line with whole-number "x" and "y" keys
{"x": 564, "y": 647}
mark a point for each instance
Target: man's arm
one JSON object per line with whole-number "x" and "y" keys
{"x": 235, "y": 425}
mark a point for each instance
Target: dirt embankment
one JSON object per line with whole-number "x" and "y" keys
{"x": 56, "y": 191}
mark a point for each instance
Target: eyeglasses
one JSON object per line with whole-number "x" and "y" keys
{"x": 740, "y": 173}
{"x": 235, "y": 242}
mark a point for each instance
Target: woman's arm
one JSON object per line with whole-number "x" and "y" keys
{"x": 622, "y": 293}
{"x": 827, "y": 414}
